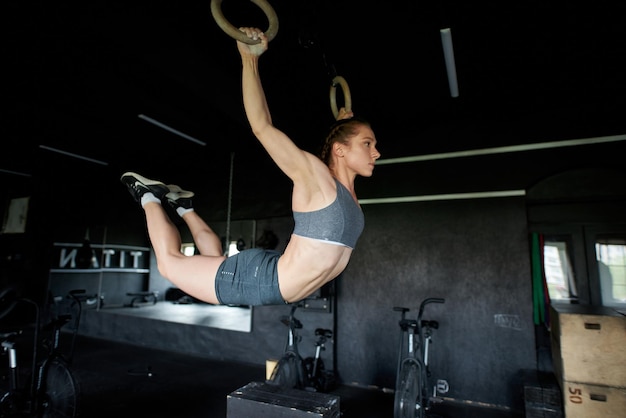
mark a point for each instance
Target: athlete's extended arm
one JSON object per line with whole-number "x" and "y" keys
{"x": 289, "y": 158}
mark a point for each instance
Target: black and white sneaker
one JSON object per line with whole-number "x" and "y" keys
{"x": 139, "y": 185}
{"x": 179, "y": 198}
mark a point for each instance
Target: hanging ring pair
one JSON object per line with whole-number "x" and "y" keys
{"x": 233, "y": 32}
{"x": 346, "y": 95}
{"x": 272, "y": 30}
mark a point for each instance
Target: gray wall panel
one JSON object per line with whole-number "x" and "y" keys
{"x": 473, "y": 253}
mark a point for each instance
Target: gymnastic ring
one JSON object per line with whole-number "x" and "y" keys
{"x": 346, "y": 95}
{"x": 233, "y": 32}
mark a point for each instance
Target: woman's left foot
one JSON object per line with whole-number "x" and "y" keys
{"x": 179, "y": 198}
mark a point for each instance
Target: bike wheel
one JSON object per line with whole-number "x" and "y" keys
{"x": 323, "y": 380}
{"x": 59, "y": 391}
{"x": 287, "y": 372}
{"x": 308, "y": 367}
{"x": 407, "y": 400}
{"x": 11, "y": 405}
{"x": 318, "y": 379}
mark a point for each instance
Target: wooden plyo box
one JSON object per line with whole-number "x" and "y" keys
{"x": 586, "y": 401}
{"x": 588, "y": 345}
{"x": 262, "y": 400}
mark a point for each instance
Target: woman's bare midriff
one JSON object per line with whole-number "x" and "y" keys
{"x": 308, "y": 264}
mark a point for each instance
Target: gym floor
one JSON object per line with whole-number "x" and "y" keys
{"x": 118, "y": 379}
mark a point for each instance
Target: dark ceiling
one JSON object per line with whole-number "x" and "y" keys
{"x": 78, "y": 74}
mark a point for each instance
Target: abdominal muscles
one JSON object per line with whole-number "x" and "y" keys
{"x": 307, "y": 264}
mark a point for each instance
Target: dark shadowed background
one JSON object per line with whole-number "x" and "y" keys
{"x": 78, "y": 74}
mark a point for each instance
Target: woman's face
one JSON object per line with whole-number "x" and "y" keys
{"x": 360, "y": 153}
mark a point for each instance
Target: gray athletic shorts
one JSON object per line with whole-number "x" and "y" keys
{"x": 249, "y": 278}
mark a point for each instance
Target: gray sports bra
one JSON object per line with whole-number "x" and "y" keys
{"x": 339, "y": 223}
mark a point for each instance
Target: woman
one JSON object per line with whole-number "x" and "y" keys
{"x": 328, "y": 219}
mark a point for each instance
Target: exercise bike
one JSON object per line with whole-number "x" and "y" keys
{"x": 320, "y": 379}
{"x": 413, "y": 397}
{"x": 290, "y": 371}
{"x": 52, "y": 390}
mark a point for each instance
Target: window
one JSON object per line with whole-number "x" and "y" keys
{"x": 558, "y": 271}
{"x": 188, "y": 249}
{"x": 233, "y": 248}
{"x": 611, "y": 259}
{"x": 584, "y": 264}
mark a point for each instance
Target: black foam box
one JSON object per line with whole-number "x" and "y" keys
{"x": 264, "y": 400}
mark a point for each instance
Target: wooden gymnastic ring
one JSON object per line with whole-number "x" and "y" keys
{"x": 346, "y": 95}
{"x": 233, "y": 32}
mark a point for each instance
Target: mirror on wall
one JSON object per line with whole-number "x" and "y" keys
{"x": 124, "y": 279}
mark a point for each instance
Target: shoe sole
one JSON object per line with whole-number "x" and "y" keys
{"x": 177, "y": 193}
{"x": 146, "y": 181}
{"x": 143, "y": 179}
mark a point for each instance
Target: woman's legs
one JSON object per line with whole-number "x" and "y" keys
{"x": 206, "y": 240}
{"x": 195, "y": 275}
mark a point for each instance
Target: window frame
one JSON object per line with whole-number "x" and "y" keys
{"x": 581, "y": 242}
{"x": 592, "y": 232}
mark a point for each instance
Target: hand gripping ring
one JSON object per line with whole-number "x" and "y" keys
{"x": 346, "y": 95}
{"x": 233, "y": 32}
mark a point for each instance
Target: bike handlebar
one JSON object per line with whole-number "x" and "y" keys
{"x": 426, "y": 302}
{"x": 410, "y": 323}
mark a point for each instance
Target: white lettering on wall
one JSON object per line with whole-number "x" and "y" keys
{"x": 112, "y": 257}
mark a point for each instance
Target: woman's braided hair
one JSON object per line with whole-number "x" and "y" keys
{"x": 340, "y": 131}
